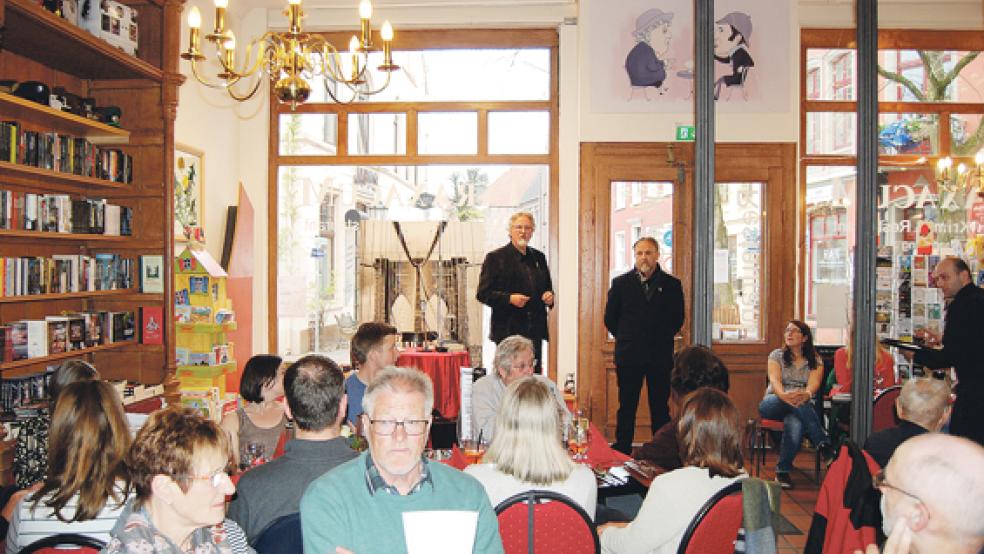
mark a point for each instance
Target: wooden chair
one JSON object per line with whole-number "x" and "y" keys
{"x": 545, "y": 522}
{"x": 56, "y": 544}
{"x": 716, "y": 524}
{"x": 760, "y": 435}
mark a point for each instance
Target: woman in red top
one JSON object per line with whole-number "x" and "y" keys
{"x": 884, "y": 374}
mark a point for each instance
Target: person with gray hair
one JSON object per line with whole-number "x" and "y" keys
{"x": 513, "y": 361}
{"x": 933, "y": 496}
{"x": 360, "y": 506}
{"x": 922, "y": 406}
{"x": 515, "y": 282}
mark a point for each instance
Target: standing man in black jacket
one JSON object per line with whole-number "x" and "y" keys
{"x": 515, "y": 283}
{"x": 644, "y": 313}
{"x": 963, "y": 335}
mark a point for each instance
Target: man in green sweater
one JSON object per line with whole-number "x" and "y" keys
{"x": 361, "y": 506}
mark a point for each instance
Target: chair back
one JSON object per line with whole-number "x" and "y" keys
{"x": 545, "y": 522}
{"x": 716, "y": 524}
{"x": 883, "y": 411}
{"x": 283, "y": 536}
{"x": 55, "y": 544}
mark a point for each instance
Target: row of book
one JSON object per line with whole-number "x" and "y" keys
{"x": 33, "y": 338}
{"x": 63, "y": 153}
{"x": 22, "y": 396}
{"x": 64, "y": 273}
{"x": 59, "y": 213}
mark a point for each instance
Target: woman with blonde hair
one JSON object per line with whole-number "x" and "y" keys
{"x": 527, "y": 451}
{"x": 709, "y": 435}
{"x": 87, "y": 485}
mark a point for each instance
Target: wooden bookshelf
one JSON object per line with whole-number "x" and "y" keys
{"x": 65, "y": 295}
{"x": 96, "y": 132}
{"x": 64, "y": 355}
{"x": 50, "y": 235}
{"x": 54, "y": 180}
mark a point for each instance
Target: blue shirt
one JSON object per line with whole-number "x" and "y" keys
{"x": 355, "y": 389}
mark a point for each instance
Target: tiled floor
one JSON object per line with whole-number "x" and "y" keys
{"x": 797, "y": 504}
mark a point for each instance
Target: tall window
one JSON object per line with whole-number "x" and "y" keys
{"x": 387, "y": 206}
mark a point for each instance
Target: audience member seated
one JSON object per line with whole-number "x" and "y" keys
{"x": 179, "y": 464}
{"x": 261, "y": 420}
{"x": 373, "y": 348}
{"x": 922, "y": 406}
{"x": 884, "y": 376}
{"x": 693, "y": 367}
{"x": 709, "y": 433}
{"x": 933, "y": 496}
{"x": 315, "y": 401}
{"x": 795, "y": 374}
{"x": 513, "y": 360}
{"x": 360, "y": 505}
{"x": 31, "y": 451}
{"x": 527, "y": 451}
{"x": 87, "y": 485}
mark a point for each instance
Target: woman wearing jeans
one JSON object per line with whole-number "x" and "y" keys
{"x": 795, "y": 374}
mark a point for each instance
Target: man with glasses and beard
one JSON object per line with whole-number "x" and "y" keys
{"x": 362, "y": 505}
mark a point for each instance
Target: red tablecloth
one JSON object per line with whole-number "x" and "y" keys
{"x": 444, "y": 369}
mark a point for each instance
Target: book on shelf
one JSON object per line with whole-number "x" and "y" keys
{"x": 120, "y": 326}
{"x": 37, "y": 338}
{"x": 63, "y": 153}
{"x": 152, "y": 274}
{"x": 151, "y": 325}
{"x": 18, "y": 341}
{"x": 57, "y": 334}
{"x": 64, "y": 273}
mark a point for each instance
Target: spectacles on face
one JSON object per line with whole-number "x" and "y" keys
{"x": 216, "y": 478}
{"x": 523, "y": 366}
{"x": 881, "y": 482}
{"x": 412, "y": 427}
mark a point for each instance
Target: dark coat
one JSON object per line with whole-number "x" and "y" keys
{"x": 882, "y": 445}
{"x": 740, "y": 59}
{"x": 507, "y": 271}
{"x": 643, "y": 67}
{"x": 644, "y": 329}
{"x": 963, "y": 334}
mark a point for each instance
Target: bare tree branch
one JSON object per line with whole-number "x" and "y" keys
{"x": 902, "y": 80}
{"x": 966, "y": 59}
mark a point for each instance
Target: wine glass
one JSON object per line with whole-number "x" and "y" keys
{"x": 472, "y": 444}
{"x": 577, "y": 439}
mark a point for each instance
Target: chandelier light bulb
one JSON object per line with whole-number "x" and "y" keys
{"x": 294, "y": 2}
{"x": 386, "y": 33}
{"x": 961, "y": 169}
{"x": 353, "y": 45}
{"x": 979, "y": 158}
{"x": 195, "y": 18}
{"x": 222, "y": 4}
{"x": 230, "y": 43}
{"x": 365, "y": 9}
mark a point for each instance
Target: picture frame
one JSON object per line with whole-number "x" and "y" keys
{"x": 189, "y": 193}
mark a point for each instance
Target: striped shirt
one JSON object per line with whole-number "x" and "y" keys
{"x": 30, "y": 524}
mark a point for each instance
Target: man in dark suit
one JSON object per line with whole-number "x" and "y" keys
{"x": 644, "y": 313}
{"x": 515, "y": 283}
{"x": 963, "y": 335}
{"x": 923, "y": 406}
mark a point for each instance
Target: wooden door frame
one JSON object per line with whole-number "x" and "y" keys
{"x": 602, "y": 163}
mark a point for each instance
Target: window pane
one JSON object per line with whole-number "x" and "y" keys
{"x": 377, "y": 133}
{"x": 830, "y": 74}
{"x": 964, "y": 129}
{"x": 830, "y": 241}
{"x": 908, "y": 133}
{"x": 830, "y": 133}
{"x": 652, "y": 216}
{"x": 308, "y": 134}
{"x": 447, "y": 133}
{"x": 908, "y": 71}
{"x": 519, "y": 132}
{"x": 737, "y": 262}
{"x": 457, "y": 75}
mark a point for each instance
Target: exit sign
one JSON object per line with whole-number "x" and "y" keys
{"x": 686, "y": 132}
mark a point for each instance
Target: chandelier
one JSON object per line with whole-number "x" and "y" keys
{"x": 291, "y": 58}
{"x": 963, "y": 177}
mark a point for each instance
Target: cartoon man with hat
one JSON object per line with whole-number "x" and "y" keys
{"x": 732, "y": 36}
{"x": 646, "y": 63}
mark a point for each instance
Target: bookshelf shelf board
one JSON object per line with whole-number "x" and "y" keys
{"x": 32, "y": 174}
{"x": 33, "y": 32}
{"x": 212, "y": 370}
{"x": 206, "y": 327}
{"x": 64, "y": 295}
{"x": 48, "y": 235}
{"x": 19, "y": 109}
{"x": 63, "y": 355}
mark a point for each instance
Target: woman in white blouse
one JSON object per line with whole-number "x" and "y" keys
{"x": 527, "y": 451}
{"x": 709, "y": 434}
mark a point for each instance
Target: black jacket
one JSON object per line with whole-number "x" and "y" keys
{"x": 507, "y": 271}
{"x": 882, "y": 445}
{"x": 963, "y": 334}
{"x": 644, "y": 329}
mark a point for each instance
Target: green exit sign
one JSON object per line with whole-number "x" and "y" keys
{"x": 686, "y": 132}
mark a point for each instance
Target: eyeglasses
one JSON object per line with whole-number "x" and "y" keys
{"x": 411, "y": 427}
{"x": 880, "y": 482}
{"x": 531, "y": 365}
{"x": 216, "y": 478}
{"x": 522, "y": 227}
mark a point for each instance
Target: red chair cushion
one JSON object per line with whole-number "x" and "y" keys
{"x": 771, "y": 424}
{"x": 883, "y": 410}
{"x": 556, "y": 528}
{"x": 719, "y": 528}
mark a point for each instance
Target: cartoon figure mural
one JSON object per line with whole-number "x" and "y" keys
{"x": 732, "y": 36}
{"x": 646, "y": 64}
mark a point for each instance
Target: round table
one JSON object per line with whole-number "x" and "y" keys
{"x": 444, "y": 369}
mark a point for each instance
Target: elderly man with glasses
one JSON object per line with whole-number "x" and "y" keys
{"x": 933, "y": 496}
{"x": 364, "y": 505}
{"x": 513, "y": 361}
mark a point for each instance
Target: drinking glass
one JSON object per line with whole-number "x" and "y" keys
{"x": 577, "y": 439}
{"x": 252, "y": 455}
{"x": 472, "y": 444}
